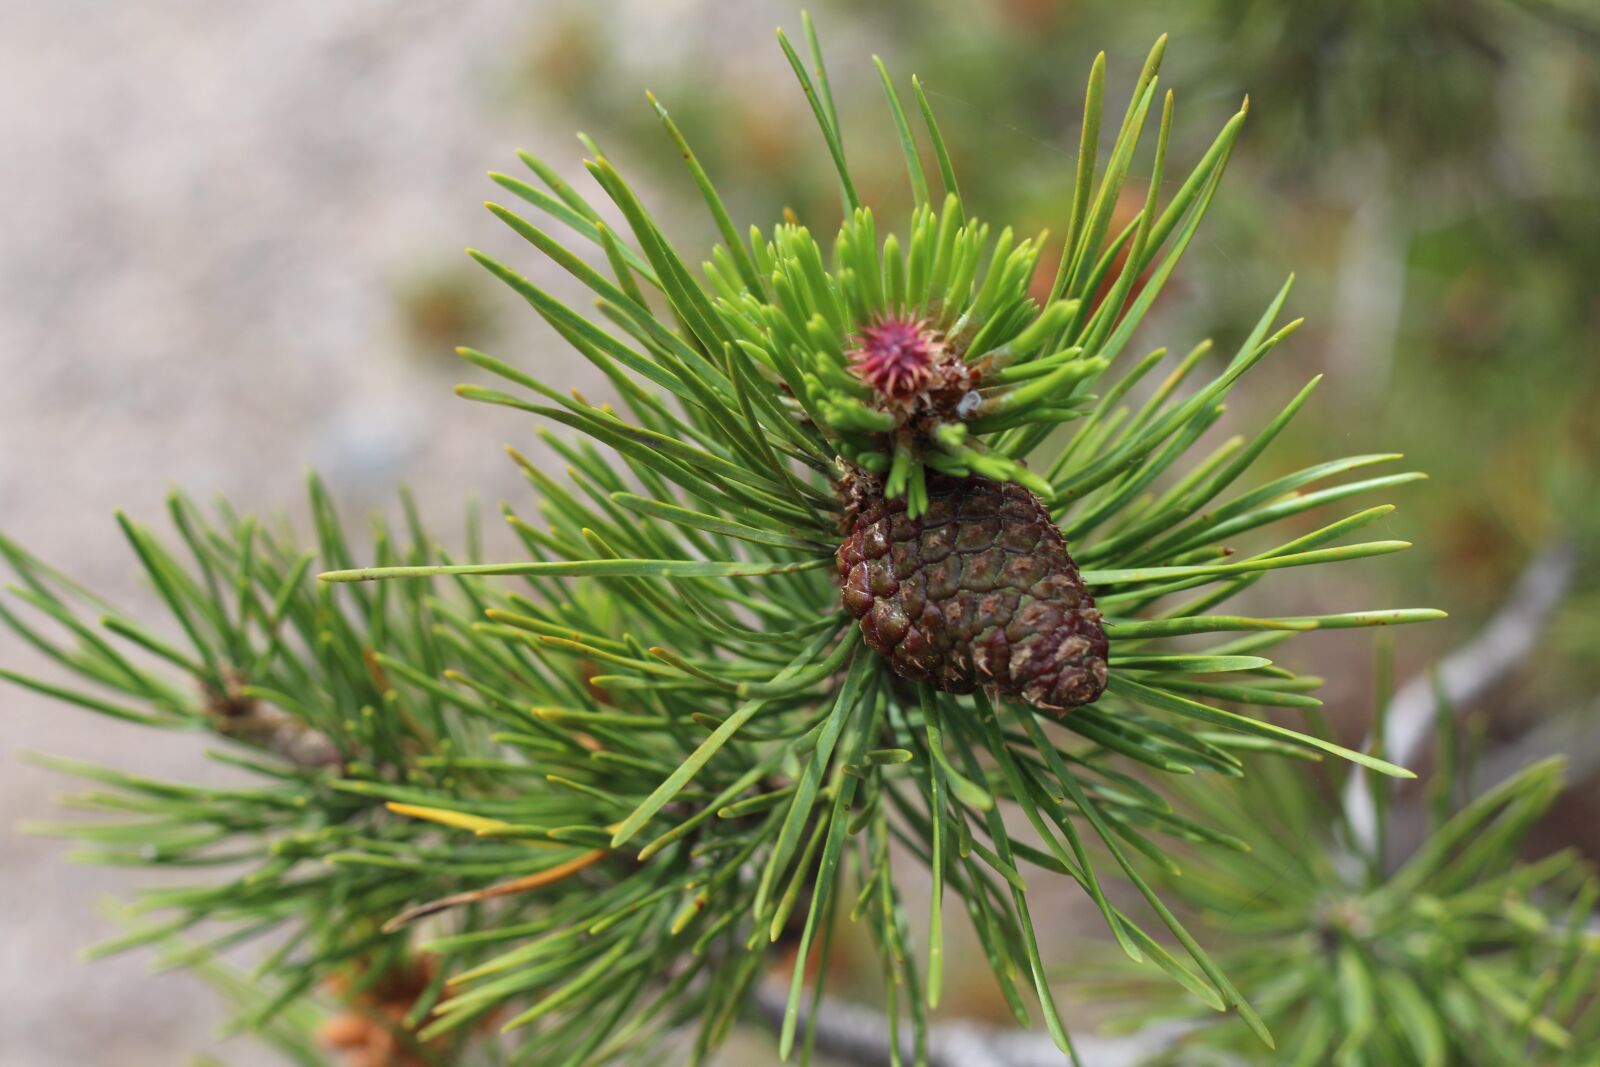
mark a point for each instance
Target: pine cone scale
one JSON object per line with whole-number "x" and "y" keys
{"x": 978, "y": 591}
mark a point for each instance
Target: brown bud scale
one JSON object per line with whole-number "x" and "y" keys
{"x": 978, "y": 591}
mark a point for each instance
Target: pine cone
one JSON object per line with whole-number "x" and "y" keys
{"x": 979, "y": 591}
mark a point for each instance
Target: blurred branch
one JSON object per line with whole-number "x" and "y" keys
{"x": 1572, "y": 735}
{"x": 1464, "y": 675}
{"x": 859, "y": 1036}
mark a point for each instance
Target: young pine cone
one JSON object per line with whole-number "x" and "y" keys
{"x": 979, "y": 591}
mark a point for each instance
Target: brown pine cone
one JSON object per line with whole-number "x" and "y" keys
{"x": 979, "y": 591}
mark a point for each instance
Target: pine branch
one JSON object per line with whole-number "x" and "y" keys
{"x": 614, "y": 772}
